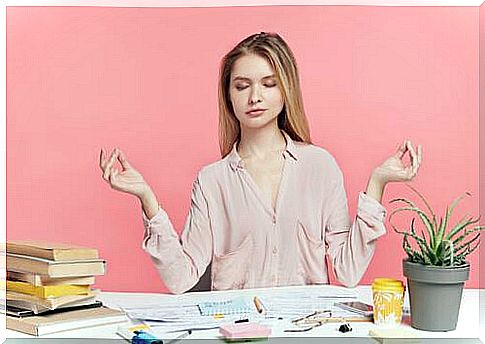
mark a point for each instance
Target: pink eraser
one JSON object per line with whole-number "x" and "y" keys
{"x": 244, "y": 330}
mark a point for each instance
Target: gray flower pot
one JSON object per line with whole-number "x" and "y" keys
{"x": 435, "y": 295}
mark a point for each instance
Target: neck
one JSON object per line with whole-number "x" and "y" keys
{"x": 261, "y": 141}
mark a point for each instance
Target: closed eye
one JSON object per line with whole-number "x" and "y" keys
{"x": 240, "y": 88}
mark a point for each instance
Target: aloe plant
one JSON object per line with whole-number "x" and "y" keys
{"x": 438, "y": 243}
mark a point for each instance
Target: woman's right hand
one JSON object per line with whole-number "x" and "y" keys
{"x": 127, "y": 180}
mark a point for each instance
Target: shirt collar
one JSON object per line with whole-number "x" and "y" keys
{"x": 290, "y": 151}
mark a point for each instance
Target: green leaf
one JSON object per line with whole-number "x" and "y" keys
{"x": 462, "y": 256}
{"x": 407, "y": 247}
{"x": 418, "y": 258}
{"x": 448, "y": 213}
{"x": 461, "y": 225}
{"x": 435, "y": 225}
{"x": 468, "y": 243}
{"x": 449, "y": 248}
{"x": 468, "y": 232}
{"x": 428, "y": 254}
{"x": 441, "y": 231}
{"x": 422, "y": 215}
{"x": 408, "y": 202}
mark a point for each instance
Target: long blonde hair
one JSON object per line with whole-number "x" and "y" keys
{"x": 292, "y": 118}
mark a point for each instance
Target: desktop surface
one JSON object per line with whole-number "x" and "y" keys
{"x": 468, "y": 329}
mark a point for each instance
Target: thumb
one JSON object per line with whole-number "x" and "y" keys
{"x": 122, "y": 159}
{"x": 401, "y": 150}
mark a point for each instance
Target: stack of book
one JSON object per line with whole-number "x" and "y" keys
{"x": 49, "y": 288}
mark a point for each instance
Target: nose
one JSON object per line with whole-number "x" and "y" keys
{"x": 255, "y": 96}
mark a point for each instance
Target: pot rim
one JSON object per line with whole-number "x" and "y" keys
{"x": 437, "y": 267}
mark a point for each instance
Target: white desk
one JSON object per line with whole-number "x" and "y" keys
{"x": 467, "y": 331}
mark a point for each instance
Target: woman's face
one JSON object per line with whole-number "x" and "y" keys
{"x": 254, "y": 86}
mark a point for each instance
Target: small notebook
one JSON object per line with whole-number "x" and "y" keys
{"x": 236, "y": 306}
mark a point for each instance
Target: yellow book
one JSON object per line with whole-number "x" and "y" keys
{"x": 39, "y": 305}
{"x": 45, "y": 292}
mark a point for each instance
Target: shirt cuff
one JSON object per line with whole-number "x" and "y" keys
{"x": 156, "y": 224}
{"x": 373, "y": 214}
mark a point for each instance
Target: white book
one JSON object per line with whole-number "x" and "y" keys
{"x": 58, "y": 322}
{"x": 53, "y": 268}
{"x": 44, "y": 280}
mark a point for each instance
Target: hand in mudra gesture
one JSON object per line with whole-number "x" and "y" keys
{"x": 127, "y": 179}
{"x": 394, "y": 168}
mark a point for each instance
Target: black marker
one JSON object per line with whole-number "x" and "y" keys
{"x": 241, "y": 321}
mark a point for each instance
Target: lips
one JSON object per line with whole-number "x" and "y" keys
{"x": 255, "y": 112}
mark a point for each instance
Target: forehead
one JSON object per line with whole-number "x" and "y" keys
{"x": 251, "y": 66}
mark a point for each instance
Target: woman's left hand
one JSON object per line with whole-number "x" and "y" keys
{"x": 394, "y": 169}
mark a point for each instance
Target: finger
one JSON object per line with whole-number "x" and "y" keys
{"x": 410, "y": 173}
{"x": 102, "y": 158}
{"x": 123, "y": 161}
{"x": 112, "y": 177}
{"x": 112, "y": 159}
{"x": 401, "y": 150}
{"x": 414, "y": 158}
{"x": 109, "y": 165}
{"x": 420, "y": 154}
{"x": 106, "y": 174}
{"x": 420, "y": 157}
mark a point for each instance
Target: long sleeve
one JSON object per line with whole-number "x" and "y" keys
{"x": 351, "y": 246}
{"x": 181, "y": 261}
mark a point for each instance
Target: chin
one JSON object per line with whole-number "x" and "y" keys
{"x": 254, "y": 124}
{"x": 257, "y": 122}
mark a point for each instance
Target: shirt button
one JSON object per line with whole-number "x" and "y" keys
{"x": 274, "y": 219}
{"x": 275, "y": 250}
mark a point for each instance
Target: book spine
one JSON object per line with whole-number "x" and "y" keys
{"x": 54, "y": 253}
{"x": 29, "y": 251}
{"x": 74, "y": 254}
{"x": 17, "y": 324}
{"x": 26, "y": 265}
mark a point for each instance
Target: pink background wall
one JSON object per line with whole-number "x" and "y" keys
{"x": 482, "y": 139}
{"x": 144, "y": 79}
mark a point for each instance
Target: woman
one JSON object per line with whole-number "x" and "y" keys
{"x": 267, "y": 212}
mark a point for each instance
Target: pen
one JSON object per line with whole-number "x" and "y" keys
{"x": 258, "y": 304}
{"x": 143, "y": 337}
{"x": 182, "y": 336}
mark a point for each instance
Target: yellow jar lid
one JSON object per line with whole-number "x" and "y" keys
{"x": 387, "y": 284}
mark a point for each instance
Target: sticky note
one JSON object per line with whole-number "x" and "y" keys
{"x": 246, "y": 330}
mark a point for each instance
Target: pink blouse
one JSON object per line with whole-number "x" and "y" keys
{"x": 252, "y": 245}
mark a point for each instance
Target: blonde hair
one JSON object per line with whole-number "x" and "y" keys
{"x": 292, "y": 118}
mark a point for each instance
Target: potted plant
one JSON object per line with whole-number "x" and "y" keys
{"x": 436, "y": 266}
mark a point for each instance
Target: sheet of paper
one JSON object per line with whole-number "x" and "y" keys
{"x": 181, "y": 313}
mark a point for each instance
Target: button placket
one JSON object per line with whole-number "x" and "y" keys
{"x": 274, "y": 251}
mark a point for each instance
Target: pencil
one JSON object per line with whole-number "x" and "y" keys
{"x": 347, "y": 319}
{"x": 258, "y": 304}
{"x": 179, "y": 338}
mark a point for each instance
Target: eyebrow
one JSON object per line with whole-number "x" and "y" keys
{"x": 248, "y": 79}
